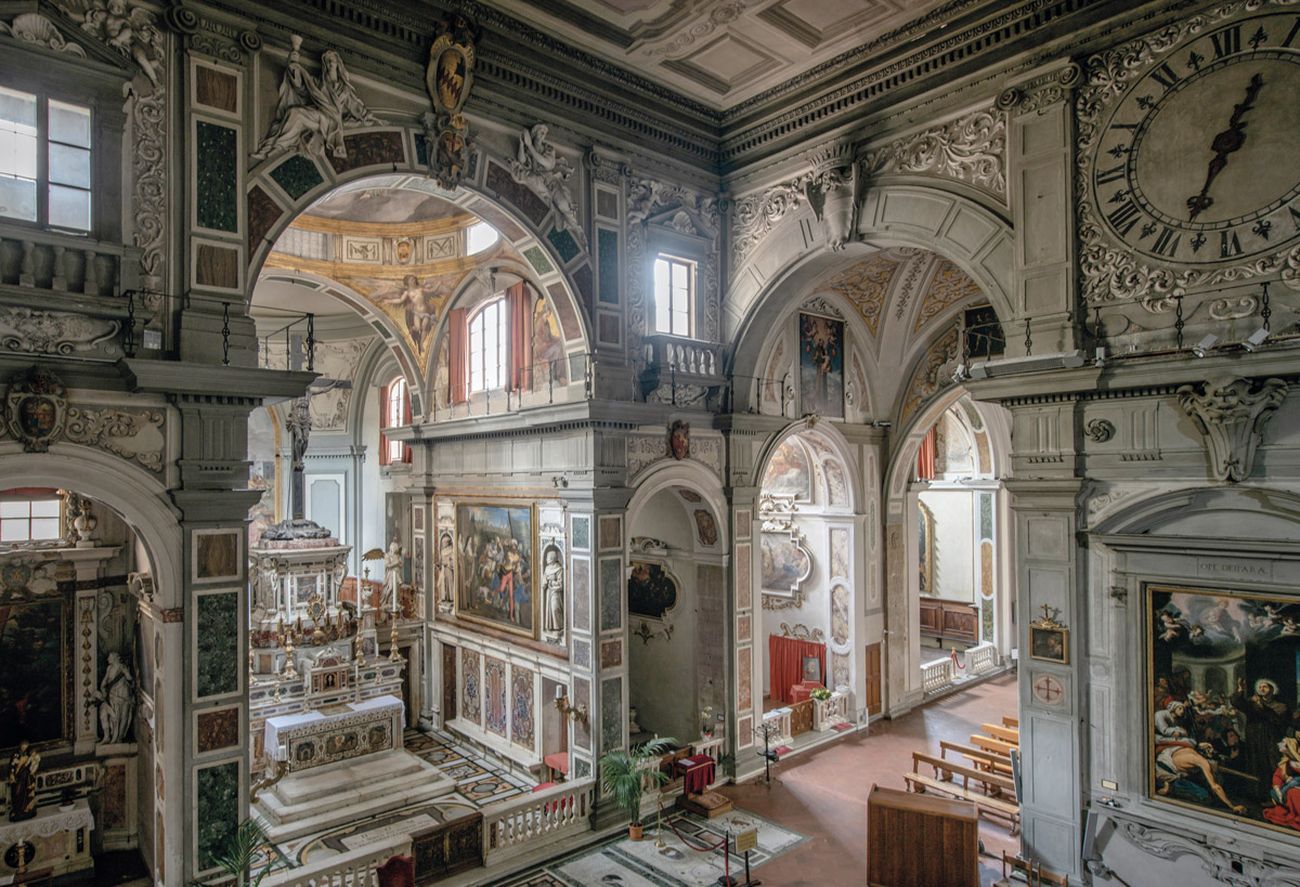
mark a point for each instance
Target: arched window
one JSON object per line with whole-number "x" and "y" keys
{"x": 488, "y": 343}
{"x": 395, "y": 404}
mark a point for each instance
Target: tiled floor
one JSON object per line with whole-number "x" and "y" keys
{"x": 479, "y": 781}
{"x": 823, "y": 793}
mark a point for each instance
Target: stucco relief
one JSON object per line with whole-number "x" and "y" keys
{"x": 135, "y": 435}
{"x": 54, "y": 332}
{"x": 866, "y": 286}
{"x": 929, "y": 378}
{"x": 541, "y": 169}
{"x": 1224, "y": 866}
{"x": 1231, "y": 414}
{"x": 949, "y": 286}
{"x": 34, "y": 28}
{"x": 971, "y": 150}
{"x": 754, "y": 216}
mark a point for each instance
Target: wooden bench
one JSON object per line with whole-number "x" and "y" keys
{"x": 1003, "y": 733}
{"x": 983, "y": 760}
{"x": 1013, "y": 723}
{"x": 994, "y": 745}
{"x": 1003, "y": 807}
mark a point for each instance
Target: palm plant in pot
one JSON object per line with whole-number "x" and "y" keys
{"x": 622, "y": 774}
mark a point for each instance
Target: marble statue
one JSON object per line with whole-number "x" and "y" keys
{"x": 553, "y": 593}
{"x": 633, "y": 727}
{"x": 539, "y": 168}
{"x": 311, "y": 115}
{"x": 129, "y": 30}
{"x": 446, "y": 573}
{"x": 116, "y": 700}
{"x": 23, "y": 765}
{"x": 393, "y": 574}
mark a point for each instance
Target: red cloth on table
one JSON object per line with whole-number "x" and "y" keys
{"x": 803, "y": 690}
{"x": 785, "y": 664}
{"x": 559, "y": 762}
{"x": 698, "y": 773}
{"x": 399, "y": 871}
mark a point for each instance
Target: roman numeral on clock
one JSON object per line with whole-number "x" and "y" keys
{"x": 1295, "y": 31}
{"x": 1110, "y": 176}
{"x": 1124, "y": 217}
{"x": 1227, "y": 41}
{"x": 1229, "y": 244}
{"x": 1167, "y": 243}
{"x": 1165, "y": 76}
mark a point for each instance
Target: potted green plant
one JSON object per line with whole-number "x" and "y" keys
{"x": 242, "y": 848}
{"x": 621, "y": 775}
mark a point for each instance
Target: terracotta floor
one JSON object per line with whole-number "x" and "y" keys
{"x": 823, "y": 793}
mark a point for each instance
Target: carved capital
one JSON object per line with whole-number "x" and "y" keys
{"x": 1231, "y": 414}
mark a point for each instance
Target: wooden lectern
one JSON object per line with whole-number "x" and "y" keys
{"x": 916, "y": 840}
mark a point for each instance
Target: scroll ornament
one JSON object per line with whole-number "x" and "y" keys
{"x": 1231, "y": 414}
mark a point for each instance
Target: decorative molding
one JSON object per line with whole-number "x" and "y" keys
{"x": 802, "y": 632}
{"x": 135, "y": 435}
{"x": 1231, "y": 414}
{"x": 678, "y": 43}
{"x": 754, "y": 216}
{"x": 819, "y": 305}
{"x": 1100, "y": 430}
{"x": 30, "y": 331}
{"x": 971, "y": 150}
{"x": 449, "y": 78}
{"x": 34, "y": 28}
{"x": 834, "y": 189}
{"x": 1224, "y": 866}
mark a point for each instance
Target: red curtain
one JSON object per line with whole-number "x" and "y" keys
{"x": 457, "y": 356}
{"x": 785, "y": 664}
{"x": 925, "y": 456}
{"x": 520, "y": 300}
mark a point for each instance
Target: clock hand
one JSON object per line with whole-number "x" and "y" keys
{"x": 1225, "y": 143}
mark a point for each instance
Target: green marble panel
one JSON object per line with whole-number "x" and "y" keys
{"x": 986, "y": 515}
{"x": 297, "y": 176}
{"x": 611, "y": 596}
{"x": 607, "y": 247}
{"x": 537, "y": 259}
{"x": 216, "y": 159}
{"x": 217, "y": 808}
{"x": 564, "y": 244}
{"x": 611, "y": 713}
{"x": 217, "y": 644}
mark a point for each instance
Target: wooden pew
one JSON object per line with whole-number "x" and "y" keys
{"x": 1013, "y": 723}
{"x": 1003, "y": 733}
{"x": 983, "y": 760}
{"x": 994, "y": 745}
{"x": 994, "y": 796}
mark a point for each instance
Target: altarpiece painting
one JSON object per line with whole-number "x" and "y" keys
{"x": 35, "y": 654}
{"x": 651, "y": 591}
{"x": 1224, "y": 702}
{"x": 821, "y": 365}
{"x": 496, "y": 566}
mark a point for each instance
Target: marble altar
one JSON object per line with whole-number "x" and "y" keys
{"x": 57, "y": 841}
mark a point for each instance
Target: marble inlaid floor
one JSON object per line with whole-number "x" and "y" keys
{"x": 621, "y": 861}
{"x": 479, "y": 782}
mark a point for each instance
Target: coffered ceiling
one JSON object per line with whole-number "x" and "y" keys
{"x": 720, "y": 52}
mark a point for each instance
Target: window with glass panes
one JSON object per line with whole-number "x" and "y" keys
{"x": 674, "y": 295}
{"x": 488, "y": 340}
{"x": 394, "y": 416}
{"x": 44, "y": 160}
{"x": 29, "y": 519}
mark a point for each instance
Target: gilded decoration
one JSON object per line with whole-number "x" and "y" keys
{"x": 948, "y": 286}
{"x": 866, "y": 286}
{"x": 449, "y": 78}
{"x": 929, "y": 378}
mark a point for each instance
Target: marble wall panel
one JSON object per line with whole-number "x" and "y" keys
{"x": 216, "y": 636}
{"x": 216, "y": 203}
{"x": 470, "y": 698}
{"x": 216, "y": 800}
{"x": 611, "y": 594}
{"x": 522, "y": 729}
{"x": 494, "y": 695}
{"x": 582, "y": 696}
{"x": 581, "y": 594}
{"x": 612, "y": 717}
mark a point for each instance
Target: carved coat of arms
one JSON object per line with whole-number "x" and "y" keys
{"x": 35, "y": 409}
{"x": 679, "y": 440}
{"x": 449, "y": 78}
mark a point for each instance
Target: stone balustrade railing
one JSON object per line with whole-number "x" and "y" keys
{"x": 66, "y": 263}
{"x": 356, "y": 868}
{"x": 517, "y": 826}
{"x": 981, "y": 658}
{"x": 829, "y": 712}
{"x": 689, "y": 359}
{"x": 936, "y": 675}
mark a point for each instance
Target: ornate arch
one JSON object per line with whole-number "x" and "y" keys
{"x": 685, "y": 474}
{"x": 829, "y": 435}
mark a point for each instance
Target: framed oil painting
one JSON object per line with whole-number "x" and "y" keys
{"x": 35, "y": 654}
{"x": 821, "y": 365}
{"x": 1223, "y": 690}
{"x": 785, "y": 563}
{"x": 651, "y": 591}
{"x": 496, "y": 566}
{"x": 1050, "y": 643}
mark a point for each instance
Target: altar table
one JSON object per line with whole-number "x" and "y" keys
{"x": 335, "y": 733}
{"x": 60, "y": 838}
{"x": 698, "y": 773}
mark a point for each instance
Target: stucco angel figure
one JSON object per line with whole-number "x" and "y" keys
{"x": 116, "y": 700}
{"x": 130, "y": 31}
{"x": 538, "y": 167}
{"x": 310, "y": 116}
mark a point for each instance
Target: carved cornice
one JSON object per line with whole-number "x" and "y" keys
{"x": 1235, "y": 869}
{"x": 971, "y": 150}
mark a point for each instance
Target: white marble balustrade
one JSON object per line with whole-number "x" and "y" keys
{"x": 357, "y": 868}
{"x": 517, "y": 826}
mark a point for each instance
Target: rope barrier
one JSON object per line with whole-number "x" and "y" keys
{"x": 718, "y": 846}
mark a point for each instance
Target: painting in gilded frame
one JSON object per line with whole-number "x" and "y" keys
{"x": 651, "y": 591}
{"x": 821, "y": 365}
{"x": 1223, "y": 692}
{"x": 496, "y": 566}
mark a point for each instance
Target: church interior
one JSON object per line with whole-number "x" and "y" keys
{"x": 650, "y": 442}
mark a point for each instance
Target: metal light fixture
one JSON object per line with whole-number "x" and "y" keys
{"x": 572, "y": 712}
{"x": 1203, "y": 347}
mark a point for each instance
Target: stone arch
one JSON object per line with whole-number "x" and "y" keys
{"x": 684, "y": 474}
{"x": 1273, "y": 513}
{"x": 829, "y": 435}
{"x": 954, "y": 226}
{"x": 272, "y": 209}
{"x": 137, "y": 497}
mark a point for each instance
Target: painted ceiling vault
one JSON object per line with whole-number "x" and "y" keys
{"x": 721, "y": 52}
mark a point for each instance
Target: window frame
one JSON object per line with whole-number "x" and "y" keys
{"x": 43, "y": 98}
{"x": 502, "y": 306}
{"x": 692, "y": 291}
{"x": 386, "y": 447}
{"x": 30, "y": 496}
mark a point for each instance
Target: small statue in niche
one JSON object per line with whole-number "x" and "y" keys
{"x": 311, "y": 116}
{"x": 539, "y": 168}
{"x": 116, "y": 700}
{"x": 553, "y": 587}
{"x": 23, "y": 765}
{"x": 446, "y": 572}
{"x": 633, "y": 727}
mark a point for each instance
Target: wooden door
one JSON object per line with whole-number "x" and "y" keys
{"x": 448, "y": 683}
{"x": 875, "y": 679}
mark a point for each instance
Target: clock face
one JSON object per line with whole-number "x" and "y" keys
{"x": 1199, "y": 163}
